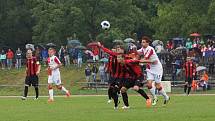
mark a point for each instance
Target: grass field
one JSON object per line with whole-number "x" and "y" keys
{"x": 95, "y": 108}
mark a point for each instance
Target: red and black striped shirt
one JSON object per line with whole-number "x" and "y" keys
{"x": 190, "y": 69}
{"x": 32, "y": 66}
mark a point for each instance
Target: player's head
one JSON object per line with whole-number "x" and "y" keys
{"x": 51, "y": 51}
{"x": 119, "y": 49}
{"x": 145, "y": 41}
{"x": 189, "y": 59}
{"x": 29, "y": 54}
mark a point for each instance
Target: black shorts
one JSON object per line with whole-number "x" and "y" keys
{"x": 111, "y": 80}
{"x": 32, "y": 80}
{"x": 129, "y": 83}
{"x": 189, "y": 80}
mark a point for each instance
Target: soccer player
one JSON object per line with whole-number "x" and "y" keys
{"x": 32, "y": 71}
{"x": 154, "y": 69}
{"x": 54, "y": 74}
{"x": 190, "y": 71}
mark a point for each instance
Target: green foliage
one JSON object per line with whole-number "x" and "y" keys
{"x": 43, "y": 21}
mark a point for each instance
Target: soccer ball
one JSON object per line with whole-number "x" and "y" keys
{"x": 105, "y": 25}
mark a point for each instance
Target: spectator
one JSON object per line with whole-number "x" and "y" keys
{"x": 80, "y": 59}
{"x": 38, "y": 53}
{"x": 94, "y": 72}
{"x": 95, "y": 51}
{"x": 159, "y": 48}
{"x": 102, "y": 72}
{"x": 88, "y": 73}
{"x": 204, "y": 80}
{"x": 61, "y": 55}
{"x": 3, "y": 59}
{"x": 189, "y": 45}
{"x": 18, "y": 58}
{"x": 203, "y": 50}
{"x": 44, "y": 56}
{"x": 169, "y": 45}
{"x": 66, "y": 56}
{"x": 10, "y": 56}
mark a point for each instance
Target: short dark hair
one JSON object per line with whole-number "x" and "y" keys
{"x": 148, "y": 40}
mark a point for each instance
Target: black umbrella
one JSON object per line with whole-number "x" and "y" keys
{"x": 51, "y": 45}
{"x": 80, "y": 47}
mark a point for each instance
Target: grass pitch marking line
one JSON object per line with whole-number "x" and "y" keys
{"x": 103, "y": 95}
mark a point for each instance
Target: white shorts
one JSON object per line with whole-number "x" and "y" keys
{"x": 154, "y": 77}
{"x": 96, "y": 57}
{"x": 54, "y": 79}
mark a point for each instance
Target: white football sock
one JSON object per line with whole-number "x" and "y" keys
{"x": 51, "y": 91}
{"x": 163, "y": 93}
{"x": 64, "y": 89}
{"x": 152, "y": 91}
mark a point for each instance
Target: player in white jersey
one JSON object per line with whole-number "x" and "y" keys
{"x": 154, "y": 69}
{"x": 54, "y": 74}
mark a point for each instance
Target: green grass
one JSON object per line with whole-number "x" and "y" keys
{"x": 70, "y": 76}
{"x": 180, "y": 108}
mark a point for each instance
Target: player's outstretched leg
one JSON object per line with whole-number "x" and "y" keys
{"x": 163, "y": 93}
{"x": 62, "y": 88}
{"x": 143, "y": 94}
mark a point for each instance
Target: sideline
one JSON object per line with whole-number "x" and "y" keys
{"x": 106, "y": 95}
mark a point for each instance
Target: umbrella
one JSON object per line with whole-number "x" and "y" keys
{"x": 92, "y": 44}
{"x": 105, "y": 60}
{"x": 177, "y": 39}
{"x": 157, "y": 42}
{"x": 73, "y": 42}
{"x": 128, "y": 40}
{"x": 201, "y": 68}
{"x": 89, "y": 52}
{"x": 51, "y": 45}
{"x": 195, "y": 35}
{"x": 29, "y": 46}
{"x": 180, "y": 48}
{"x": 80, "y": 47}
{"x": 118, "y": 41}
{"x": 40, "y": 46}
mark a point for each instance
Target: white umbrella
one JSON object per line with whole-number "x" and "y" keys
{"x": 127, "y": 40}
{"x": 29, "y": 46}
{"x": 201, "y": 68}
{"x": 157, "y": 42}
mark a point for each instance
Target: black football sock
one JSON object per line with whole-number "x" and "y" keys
{"x": 109, "y": 93}
{"x": 142, "y": 93}
{"x": 125, "y": 98}
{"x": 185, "y": 88}
{"x": 189, "y": 89}
{"x": 26, "y": 91}
{"x": 115, "y": 97}
{"x": 37, "y": 92}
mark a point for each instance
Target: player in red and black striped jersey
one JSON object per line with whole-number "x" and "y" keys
{"x": 32, "y": 71}
{"x": 190, "y": 71}
{"x": 125, "y": 75}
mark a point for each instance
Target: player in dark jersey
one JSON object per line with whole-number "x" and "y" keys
{"x": 32, "y": 71}
{"x": 190, "y": 71}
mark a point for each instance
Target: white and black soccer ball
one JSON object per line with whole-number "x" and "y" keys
{"x": 105, "y": 25}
